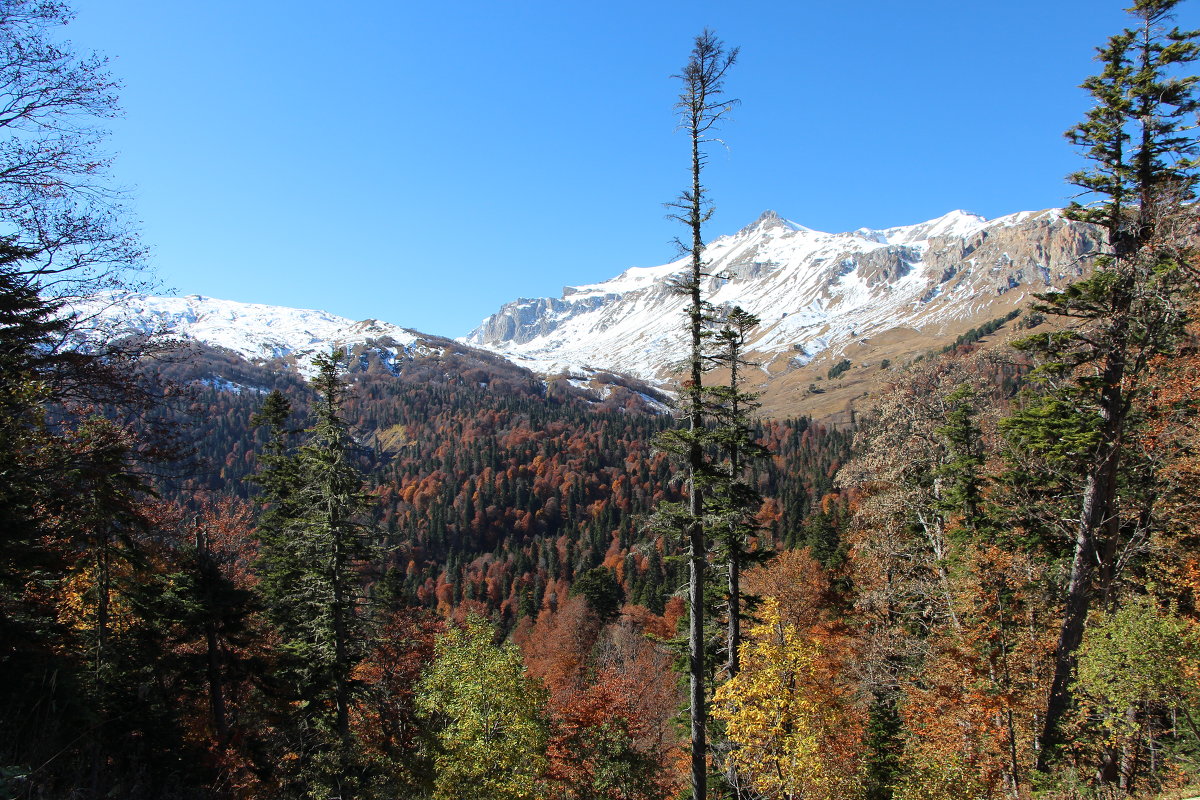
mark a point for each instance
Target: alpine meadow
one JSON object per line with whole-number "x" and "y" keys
{"x": 897, "y": 513}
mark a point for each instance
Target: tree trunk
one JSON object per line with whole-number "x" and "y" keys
{"x": 698, "y": 550}
{"x": 216, "y": 692}
{"x": 216, "y": 689}
{"x": 1098, "y": 515}
{"x": 1070, "y": 634}
{"x": 733, "y": 634}
{"x": 696, "y": 660}
{"x": 341, "y": 659}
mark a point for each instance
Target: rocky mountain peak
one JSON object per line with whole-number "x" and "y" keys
{"x": 769, "y": 220}
{"x": 816, "y": 293}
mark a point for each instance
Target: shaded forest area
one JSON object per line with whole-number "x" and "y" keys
{"x": 452, "y": 580}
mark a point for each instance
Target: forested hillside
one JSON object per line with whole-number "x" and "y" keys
{"x": 488, "y": 485}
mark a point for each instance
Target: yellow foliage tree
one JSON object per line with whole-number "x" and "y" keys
{"x": 791, "y": 731}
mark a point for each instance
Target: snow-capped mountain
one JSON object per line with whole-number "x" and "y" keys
{"x": 872, "y": 297}
{"x": 815, "y": 292}
{"x": 250, "y": 346}
{"x": 256, "y": 332}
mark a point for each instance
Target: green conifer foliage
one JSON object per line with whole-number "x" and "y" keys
{"x": 278, "y": 478}
{"x": 960, "y": 478}
{"x": 314, "y": 544}
{"x": 603, "y": 593}
{"x": 701, "y": 105}
{"x": 1141, "y": 181}
{"x": 734, "y": 499}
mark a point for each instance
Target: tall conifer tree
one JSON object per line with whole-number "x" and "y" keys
{"x": 701, "y": 105}
{"x": 733, "y": 499}
{"x": 314, "y": 542}
{"x": 1142, "y": 173}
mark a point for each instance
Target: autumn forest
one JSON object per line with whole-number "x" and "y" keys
{"x": 448, "y": 577}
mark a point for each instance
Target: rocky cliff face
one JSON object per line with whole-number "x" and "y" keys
{"x": 525, "y": 320}
{"x": 1032, "y": 253}
{"x": 816, "y": 293}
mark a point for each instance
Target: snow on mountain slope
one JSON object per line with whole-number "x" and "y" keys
{"x": 814, "y": 291}
{"x": 278, "y": 340}
{"x": 254, "y": 331}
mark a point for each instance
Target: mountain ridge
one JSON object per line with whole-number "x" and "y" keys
{"x": 869, "y": 296}
{"x": 257, "y": 332}
{"x": 815, "y": 292}
{"x": 231, "y": 343}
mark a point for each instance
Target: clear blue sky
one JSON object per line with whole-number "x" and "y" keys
{"x": 424, "y": 162}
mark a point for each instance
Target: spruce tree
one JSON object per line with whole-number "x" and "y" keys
{"x": 277, "y": 478}
{"x": 314, "y": 544}
{"x": 733, "y": 500}
{"x": 332, "y": 501}
{"x": 959, "y": 479}
{"x": 701, "y": 105}
{"x": 1142, "y": 177}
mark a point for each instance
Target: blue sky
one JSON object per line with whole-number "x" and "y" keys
{"x": 423, "y": 163}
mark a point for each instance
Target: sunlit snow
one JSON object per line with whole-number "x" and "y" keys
{"x": 812, "y": 290}
{"x": 254, "y": 331}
